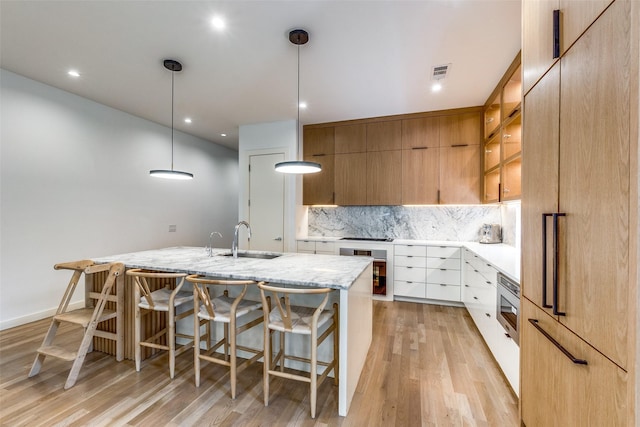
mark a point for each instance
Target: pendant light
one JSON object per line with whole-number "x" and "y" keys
{"x": 172, "y": 66}
{"x": 298, "y": 37}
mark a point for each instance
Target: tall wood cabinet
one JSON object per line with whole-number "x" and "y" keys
{"x": 580, "y": 225}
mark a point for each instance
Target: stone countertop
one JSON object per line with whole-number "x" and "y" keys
{"x": 322, "y": 271}
{"x": 504, "y": 257}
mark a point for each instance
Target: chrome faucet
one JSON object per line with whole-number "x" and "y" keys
{"x": 234, "y": 245}
{"x": 210, "y": 247}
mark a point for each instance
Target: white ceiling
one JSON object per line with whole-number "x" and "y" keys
{"x": 363, "y": 59}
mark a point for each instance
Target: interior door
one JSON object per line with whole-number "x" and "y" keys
{"x": 266, "y": 203}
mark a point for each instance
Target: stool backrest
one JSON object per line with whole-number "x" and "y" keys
{"x": 281, "y": 297}
{"x": 140, "y": 277}
{"x": 201, "y": 289}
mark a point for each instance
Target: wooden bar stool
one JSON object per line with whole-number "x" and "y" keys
{"x": 226, "y": 310}
{"x": 287, "y": 318}
{"x": 94, "y": 312}
{"x": 166, "y": 299}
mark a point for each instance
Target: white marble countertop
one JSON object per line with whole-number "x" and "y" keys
{"x": 504, "y": 257}
{"x": 323, "y": 271}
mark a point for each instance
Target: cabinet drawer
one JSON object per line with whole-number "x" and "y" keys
{"x": 490, "y": 273}
{"x": 410, "y": 274}
{"x": 306, "y": 246}
{"x": 409, "y": 289}
{"x": 445, "y": 277}
{"x": 323, "y": 247}
{"x": 447, "y": 263}
{"x": 410, "y": 261}
{"x": 443, "y": 292}
{"x": 410, "y": 250}
{"x": 443, "y": 251}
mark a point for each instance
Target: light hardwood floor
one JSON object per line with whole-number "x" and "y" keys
{"x": 427, "y": 366}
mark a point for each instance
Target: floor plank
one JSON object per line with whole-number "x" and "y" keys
{"x": 427, "y": 366}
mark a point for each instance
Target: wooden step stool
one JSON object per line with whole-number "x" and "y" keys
{"x": 88, "y": 317}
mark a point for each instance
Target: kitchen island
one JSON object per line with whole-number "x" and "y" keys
{"x": 350, "y": 276}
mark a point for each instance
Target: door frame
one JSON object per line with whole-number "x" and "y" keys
{"x": 290, "y": 196}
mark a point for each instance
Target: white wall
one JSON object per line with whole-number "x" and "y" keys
{"x": 75, "y": 184}
{"x": 263, "y": 138}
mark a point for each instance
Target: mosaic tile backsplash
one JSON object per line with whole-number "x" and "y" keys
{"x": 456, "y": 223}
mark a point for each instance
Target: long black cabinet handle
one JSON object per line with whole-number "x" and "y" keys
{"x": 544, "y": 260}
{"x": 556, "y": 34}
{"x": 556, "y": 257}
{"x": 564, "y": 351}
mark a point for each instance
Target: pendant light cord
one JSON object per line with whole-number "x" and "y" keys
{"x": 298, "y": 123}
{"x": 172, "y": 75}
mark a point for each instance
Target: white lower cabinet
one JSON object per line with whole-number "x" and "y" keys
{"x": 480, "y": 299}
{"x": 427, "y": 272}
{"x": 409, "y": 289}
{"x": 316, "y": 247}
{"x": 409, "y": 271}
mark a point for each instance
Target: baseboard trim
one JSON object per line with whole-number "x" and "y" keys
{"x": 32, "y": 317}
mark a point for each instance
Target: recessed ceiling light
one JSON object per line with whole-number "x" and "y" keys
{"x": 218, "y": 23}
{"x": 223, "y": 134}
{"x": 303, "y": 105}
{"x": 187, "y": 120}
{"x": 436, "y": 87}
{"x": 73, "y": 73}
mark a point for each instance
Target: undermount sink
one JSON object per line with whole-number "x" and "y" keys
{"x": 256, "y": 255}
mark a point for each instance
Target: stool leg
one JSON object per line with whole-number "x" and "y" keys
{"x": 196, "y": 336}
{"x": 137, "y": 333}
{"x": 282, "y": 335}
{"x": 266, "y": 363}
{"x": 336, "y": 343}
{"x": 171, "y": 337}
{"x": 314, "y": 371}
{"x": 232, "y": 338}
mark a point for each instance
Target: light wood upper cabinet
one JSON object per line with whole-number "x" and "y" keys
{"x": 318, "y": 188}
{"x": 350, "y": 179}
{"x": 420, "y": 176}
{"x": 384, "y": 135}
{"x": 502, "y": 147}
{"x": 318, "y": 141}
{"x": 371, "y": 167}
{"x": 460, "y": 174}
{"x": 460, "y": 129}
{"x": 351, "y": 138}
{"x": 318, "y": 146}
{"x": 420, "y": 132}
{"x": 384, "y": 178}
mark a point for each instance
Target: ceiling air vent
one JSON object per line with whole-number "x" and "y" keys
{"x": 439, "y": 72}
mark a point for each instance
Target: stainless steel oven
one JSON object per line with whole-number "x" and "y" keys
{"x": 379, "y": 286}
{"x": 508, "y": 306}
